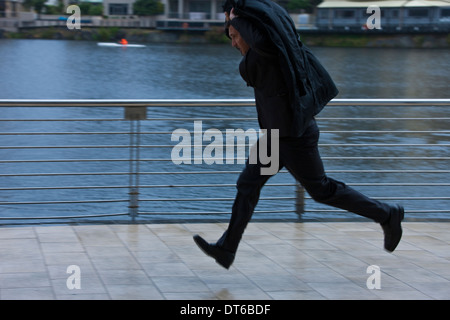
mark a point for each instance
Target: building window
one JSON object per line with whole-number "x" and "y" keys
{"x": 323, "y": 13}
{"x": 118, "y": 8}
{"x": 13, "y": 9}
{"x": 394, "y": 13}
{"x": 199, "y": 6}
{"x": 445, "y": 13}
{"x": 2, "y": 9}
{"x": 344, "y": 14}
{"x": 418, "y": 13}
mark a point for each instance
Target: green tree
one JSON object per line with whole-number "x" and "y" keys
{"x": 91, "y": 9}
{"x": 55, "y": 9}
{"x": 295, "y": 5}
{"x": 298, "y": 5}
{"x": 38, "y": 5}
{"x": 147, "y": 7}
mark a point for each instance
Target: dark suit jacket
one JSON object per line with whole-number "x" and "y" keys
{"x": 261, "y": 70}
{"x": 291, "y": 85}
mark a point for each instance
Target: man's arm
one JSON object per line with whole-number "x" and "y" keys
{"x": 254, "y": 37}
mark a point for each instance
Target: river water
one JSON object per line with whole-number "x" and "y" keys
{"x": 56, "y": 69}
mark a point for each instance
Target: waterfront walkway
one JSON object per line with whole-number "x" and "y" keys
{"x": 281, "y": 260}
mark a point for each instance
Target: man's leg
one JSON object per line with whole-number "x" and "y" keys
{"x": 249, "y": 187}
{"x": 303, "y": 160}
{"x": 301, "y": 157}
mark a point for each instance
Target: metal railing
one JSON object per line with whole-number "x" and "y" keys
{"x": 111, "y": 159}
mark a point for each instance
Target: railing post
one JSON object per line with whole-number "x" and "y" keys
{"x": 299, "y": 200}
{"x": 134, "y": 115}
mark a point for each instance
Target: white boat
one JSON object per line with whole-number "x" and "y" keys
{"x": 115, "y": 44}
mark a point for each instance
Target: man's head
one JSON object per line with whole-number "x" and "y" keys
{"x": 237, "y": 41}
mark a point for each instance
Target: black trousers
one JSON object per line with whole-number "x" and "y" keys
{"x": 301, "y": 158}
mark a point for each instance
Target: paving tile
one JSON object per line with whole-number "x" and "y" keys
{"x": 17, "y": 233}
{"x": 65, "y": 247}
{"x": 66, "y": 258}
{"x": 155, "y": 256}
{"x": 401, "y": 294}
{"x": 40, "y": 293}
{"x": 206, "y": 229}
{"x": 63, "y": 271}
{"x": 343, "y": 291}
{"x": 101, "y": 236}
{"x": 232, "y": 293}
{"x": 167, "y": 269}
{"x": 60, "y": 234}
{"x": 84, "y": 297}
{"x": 20, "y": 246}
{"x": 217, "y": 279}
{"x": 311, "y": 244}
{"x": 296, "y": 295}
{"x": 436, "y": 290}
{"x": 21, "y": 264}
{"x": 24, "y": 280}
{"x": 115, "y": 263}
{"x": 124, "y": 277}
{"x": 414, "y": 274}
{"x": 88, "y": 285}
{"x": 279, "y": 283}
{"x": 190, "y": 296}
{"x": 320, "y": 273}
{"x": 134, "y": 292}
{"x": 179, "y": 284}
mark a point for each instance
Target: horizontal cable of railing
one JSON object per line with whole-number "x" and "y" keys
{"x": 171, "y": 146}
{"x": 204, "y": 102}
{"x": 204, "y": 172}
{"x": 414, "y": 154}
{"x": 225, "y": 159}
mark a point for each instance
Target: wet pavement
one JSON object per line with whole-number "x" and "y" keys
{"x": 276, "y": 260}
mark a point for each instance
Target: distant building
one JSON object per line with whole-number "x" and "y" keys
{"x": 178, "y": 14}
{"x": 118, "y": 7}
{"x": 194, "y": 9}
{"x": 10, "y": 8}
{"x": 424, "y": 15}
{"x": 12, "y": 13}
{"x": 192, "y": 14}
{"x": 173, "y": 9}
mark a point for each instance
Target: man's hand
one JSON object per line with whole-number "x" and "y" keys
{"x": 230, "y": 16}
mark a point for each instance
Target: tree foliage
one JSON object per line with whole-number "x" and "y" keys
{"x": 147, "y": 7}
{"x": 299, "y": 5}
{"x": 38, "y": 5}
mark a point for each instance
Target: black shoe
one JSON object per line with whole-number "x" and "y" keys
{"x": 393, "y": 229}
{"x": 223, "y": 257}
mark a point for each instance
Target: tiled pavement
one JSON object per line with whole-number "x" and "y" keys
{"x": 281, "y": 260}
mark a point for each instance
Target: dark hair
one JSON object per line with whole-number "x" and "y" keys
{"x": 227, "y": 28}
{"x": 227, "y": 5}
